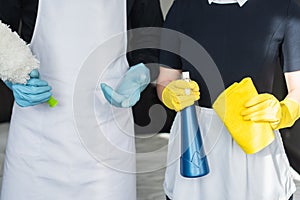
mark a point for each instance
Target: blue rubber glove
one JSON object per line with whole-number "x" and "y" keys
{"x": 34, "y": 92}
{"x": 129, "y": 89}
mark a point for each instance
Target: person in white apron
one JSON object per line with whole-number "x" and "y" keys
{"x": 46, "y": 155}
{"x": 244, "y": 39}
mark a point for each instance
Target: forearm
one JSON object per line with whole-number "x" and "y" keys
{"x": 293, "y": 85}
{"x": 160, "y": 86}
{"x": 295, "y": 95}
{"x": 166, "y": 75}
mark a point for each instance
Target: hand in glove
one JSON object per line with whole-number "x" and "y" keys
{"x": 180, "y": 94}
{"x": 129, "y": 89}
{"x": 34, "y": 92}
{"x": 266, "y": 108}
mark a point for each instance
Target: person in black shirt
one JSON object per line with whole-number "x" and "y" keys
{"x": 244, "y": 39}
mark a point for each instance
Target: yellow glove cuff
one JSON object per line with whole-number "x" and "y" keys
{"x": 290, "y": 112}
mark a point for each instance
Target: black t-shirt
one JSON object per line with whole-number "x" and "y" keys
{"x": 247, "y": 41}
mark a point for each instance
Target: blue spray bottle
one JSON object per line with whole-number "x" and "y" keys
{"x": 193, "y": 161}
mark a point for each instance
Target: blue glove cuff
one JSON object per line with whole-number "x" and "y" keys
{"x": 8, "y": 84}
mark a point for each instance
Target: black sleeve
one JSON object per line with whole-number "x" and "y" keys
{"x": 172, "y": 41}
{"x": 29, "y": 14}
{"x": 291, "y": 41}
{"x": 20, "y": 15}
{"x": 19, "y": 12}
{"x": 10, "y": 13}
{"x": 144, "y": 13}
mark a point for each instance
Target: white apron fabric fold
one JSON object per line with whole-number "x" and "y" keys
{"x": 233, "y": 175}
{"x": 45, "y": 157}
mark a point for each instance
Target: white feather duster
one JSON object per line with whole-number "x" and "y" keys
{"x": 16, "y": 59}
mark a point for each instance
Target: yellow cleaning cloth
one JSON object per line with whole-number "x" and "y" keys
{"x": 250, "y": 136}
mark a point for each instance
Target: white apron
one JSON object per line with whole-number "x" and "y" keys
{"x": 233, "y": 175}
{"x": 46, "y": 157}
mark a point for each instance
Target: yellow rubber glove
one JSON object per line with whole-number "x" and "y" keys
{"x": 266, "y": 108}
{"x": 180, "y": 94}
{"x": 250, "y": 136}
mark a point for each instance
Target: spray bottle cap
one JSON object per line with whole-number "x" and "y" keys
{"x": 185, "y": 75}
